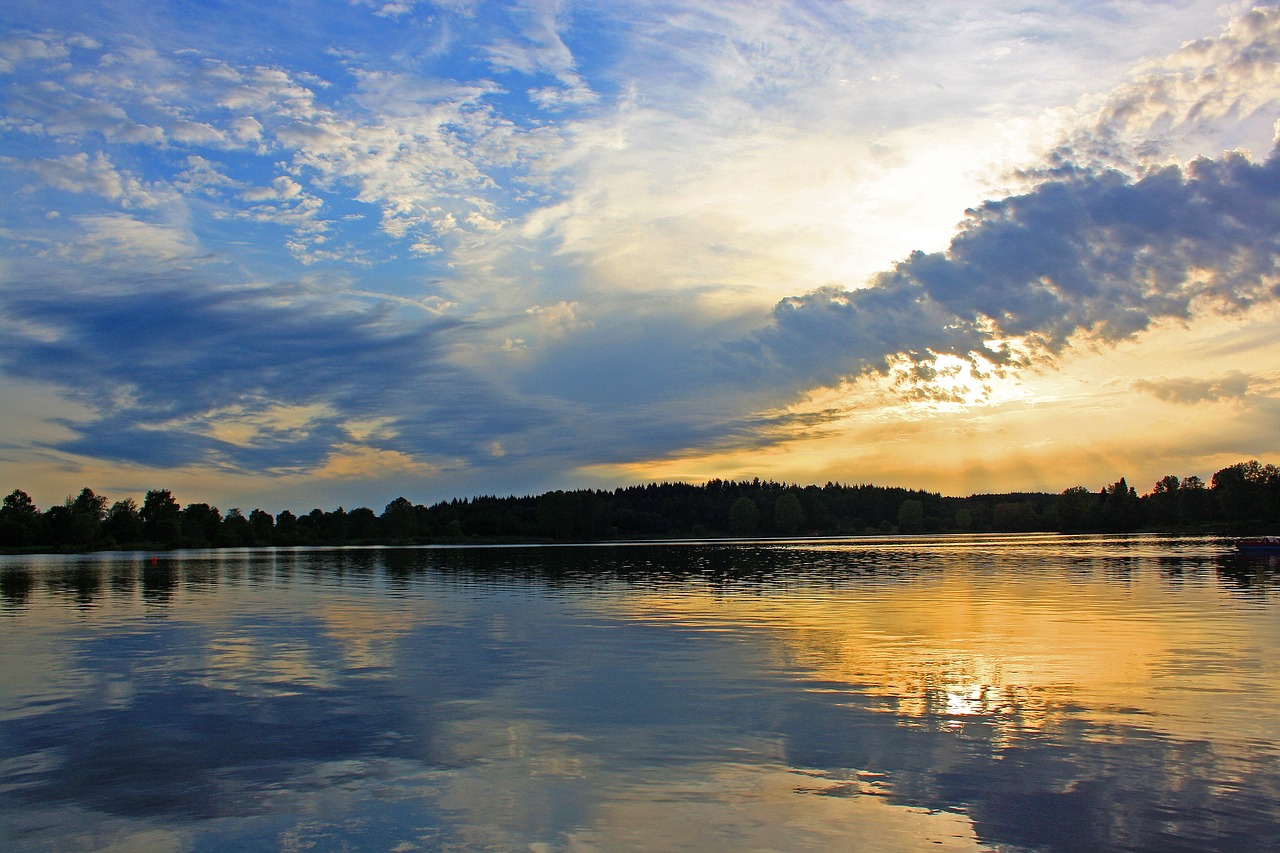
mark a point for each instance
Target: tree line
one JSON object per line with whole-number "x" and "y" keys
{"x": 1244, "y": 497}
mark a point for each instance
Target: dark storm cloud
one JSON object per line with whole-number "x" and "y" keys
{"x": 1084, "y": 255}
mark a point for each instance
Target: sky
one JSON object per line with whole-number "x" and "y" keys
{"x": 300, "y": 254}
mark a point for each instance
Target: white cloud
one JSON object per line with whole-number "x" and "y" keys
{"x": 119, "y": 238}
{"x": 19, "y": 49}
{"x": 81, "y": 173}
{"x": 418, "y": 160}
{"x": 282, "y": 188}
{"x": 195, "y": 133}
{"x": 204, "y": 176}
{"x": 246, "y": 129}
{"x": 399, "y": 8}
{"x": 540, "y": 49}
{"x": 1225, "y": 87}
{"x": 265, "y": 90}
{"x": 285, "y": 204}
{"x": 58, "y": 112}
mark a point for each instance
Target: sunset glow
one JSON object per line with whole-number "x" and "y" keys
{"x": 329, "y": 254}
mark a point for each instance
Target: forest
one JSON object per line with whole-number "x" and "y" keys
{"x": 1241, "y": 498}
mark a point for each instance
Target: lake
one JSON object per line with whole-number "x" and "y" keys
{"x": 1002, "y": 693}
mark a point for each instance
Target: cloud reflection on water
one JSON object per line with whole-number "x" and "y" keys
{"x": 641, "y": 698}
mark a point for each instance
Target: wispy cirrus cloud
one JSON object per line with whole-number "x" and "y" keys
{"x": 1190, "y": 390}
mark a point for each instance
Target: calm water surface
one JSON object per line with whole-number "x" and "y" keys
{"x": 1005, "y": 693}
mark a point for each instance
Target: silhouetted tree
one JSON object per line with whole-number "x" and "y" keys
{"x": 235, "y": 530}
{"x": 1245, "y": 495}
{"x": 911, "y": 516}
{"x": 286, "y": 532}
{"x": 87, "y": 510}
{"x": 788, "y": 516}
{"x": 1015, "y": 517}
{"x": 398, "y": 519}
{"x": 263, "y": 526}
{"x": 1121, "y": 508}
{"x": 123, "y": 525}
{"x": 201, "y": 525}
{"x": 744, "y": 517}
{"x": 1075, "y": 507}
{"x": 362, "y": 523}
{"x": 1163, "y": 504}
{"x": 557, "y": 514}
{"x": 161, "y": 517}
{"x": 1195, "y": 502}
{"x": 1248, "y": 493}
{"x": 57, "y": 524}
{"x": 20, "y": 521}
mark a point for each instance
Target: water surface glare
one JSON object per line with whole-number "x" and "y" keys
{"x": 1003, "y": 693}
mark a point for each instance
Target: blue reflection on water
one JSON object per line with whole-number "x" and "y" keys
{"x": 639, "y": 697}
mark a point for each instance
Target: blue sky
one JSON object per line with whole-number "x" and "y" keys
{"x": 307, "y": 254}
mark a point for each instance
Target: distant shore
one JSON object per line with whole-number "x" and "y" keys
{"x": 1241, "y": 499}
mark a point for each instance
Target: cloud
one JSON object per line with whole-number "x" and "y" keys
{"x": 178, "y": 371}
{"x": 399, "y": 8}
{"x": 120, "y": 238}
{"x": 1190, "y": 391}
{"x": 539, "y": 48}
{"x": 19, "y": 49}
{"x": 82, "y": 173}
{"x": 281, "y": 188}
{"x": 50, "y": 109}
{"x": 1090, "y": 255}
{"x": 597, "y": 233}
{"x": 356, "y": 461}
{"x": 423, "y": 151}
{"x": 1234, "y": 75}
{"x": 423, "y": 155}
{"x": 204, "y": 176}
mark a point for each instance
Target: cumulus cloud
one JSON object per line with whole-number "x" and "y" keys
{"x": 1235, "y": 75}
{"x": 18, "y": 49}
{"x": 204, "y": 176}
{"x": 47, "y": 108}
{"x": 82, "y": 173}
{"x": 283, "y": 187}
{"x": 1089, "y": 255}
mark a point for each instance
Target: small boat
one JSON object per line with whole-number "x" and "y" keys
{"x": 1259, "y": 543}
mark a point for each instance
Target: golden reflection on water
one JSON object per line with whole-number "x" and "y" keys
{"x": 948, "y": 648}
